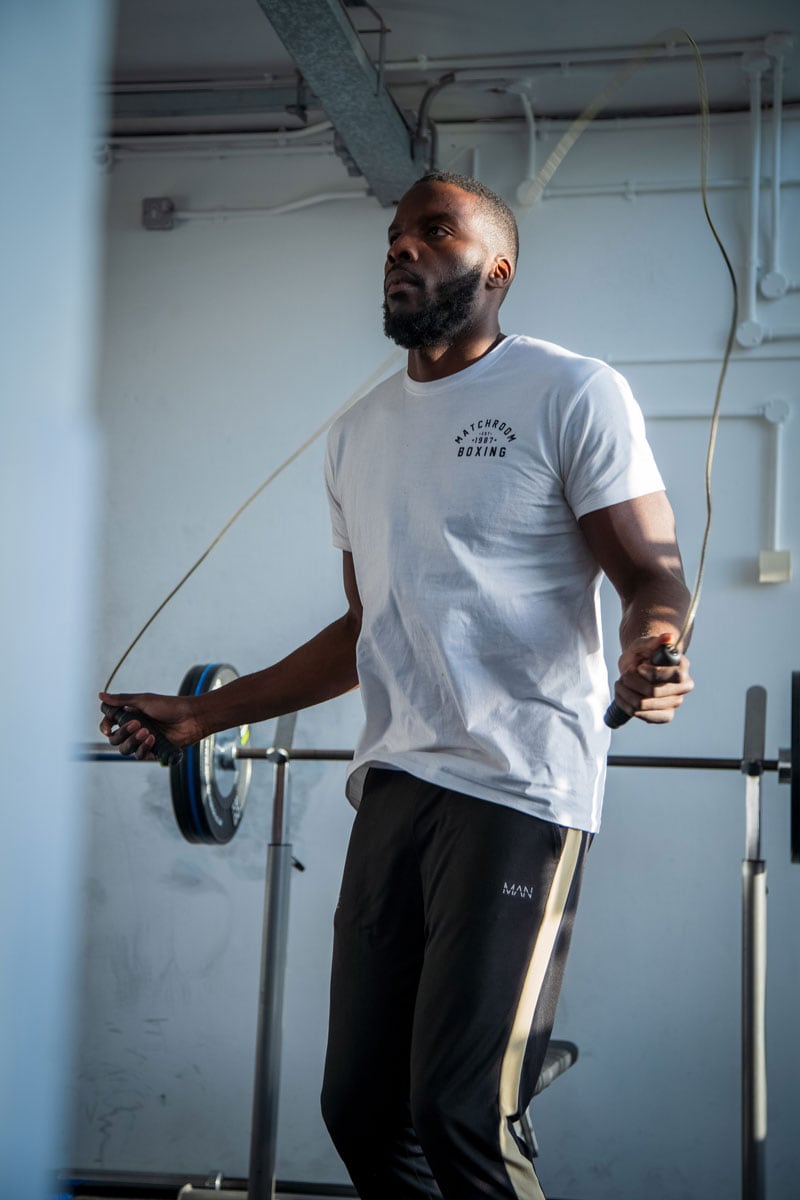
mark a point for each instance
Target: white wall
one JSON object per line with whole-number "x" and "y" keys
{"x": 225, "y": 344}
{"x": 50, "y": 57}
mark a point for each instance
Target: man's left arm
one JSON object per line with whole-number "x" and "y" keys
{"x": 635, "y": 545}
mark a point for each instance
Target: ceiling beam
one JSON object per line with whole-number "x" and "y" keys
{"x": 336, "y": 68}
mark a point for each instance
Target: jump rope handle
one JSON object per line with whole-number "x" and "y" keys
{"x": 167, "y": 754}
{"x": 665, "y": 656}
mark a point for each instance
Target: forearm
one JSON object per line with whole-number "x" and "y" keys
{"x": 657, "y": 605}
{"x": 319, "y": 670}
{"x": 634, "y": 542}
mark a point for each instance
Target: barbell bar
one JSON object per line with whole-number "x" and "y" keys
{"x": 209, "y": 787}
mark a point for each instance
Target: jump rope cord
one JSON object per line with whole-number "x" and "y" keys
{"x": 287, "y": 462}
{"x": 549, "y": 169}
{"x": 534, "y": 193}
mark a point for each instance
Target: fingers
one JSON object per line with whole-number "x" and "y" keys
{"x": 657, "y": 708}
{"x": 653, "y": 694}
{"x": 119, "y": 699}
{"x": 131, "y": 738}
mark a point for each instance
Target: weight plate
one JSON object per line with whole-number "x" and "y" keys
{"x": 210, "y": 785}
{"x": 794, "y": 784}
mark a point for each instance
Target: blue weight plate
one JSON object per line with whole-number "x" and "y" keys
{"x": 209, "y": 786}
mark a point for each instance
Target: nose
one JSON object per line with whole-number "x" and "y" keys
{"x": 403, "y": 248}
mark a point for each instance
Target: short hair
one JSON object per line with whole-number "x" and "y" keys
{"x": 492, "y": 205}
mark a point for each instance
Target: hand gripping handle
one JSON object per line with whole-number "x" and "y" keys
{"x": 167, "y": 754}
{"x": 665, "y": 656}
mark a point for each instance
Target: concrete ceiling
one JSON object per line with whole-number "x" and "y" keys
{"x": 218, "y": 65}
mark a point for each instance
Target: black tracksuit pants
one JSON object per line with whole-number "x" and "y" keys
{"x": 451, "y": 934}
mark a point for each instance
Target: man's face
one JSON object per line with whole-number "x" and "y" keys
{"x": 436, "y": 266}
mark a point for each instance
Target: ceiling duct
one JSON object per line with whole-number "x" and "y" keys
{"x": 332, "y": 60}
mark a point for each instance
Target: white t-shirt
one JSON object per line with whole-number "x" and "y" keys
{"x": 480, "y": 657}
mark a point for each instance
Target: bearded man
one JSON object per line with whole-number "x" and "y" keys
{"x": 477, "y": 497}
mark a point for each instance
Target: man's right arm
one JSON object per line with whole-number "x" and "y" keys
{"x": 319, "y": 670}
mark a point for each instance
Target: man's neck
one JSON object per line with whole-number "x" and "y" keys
{"x": 437, "y": 362}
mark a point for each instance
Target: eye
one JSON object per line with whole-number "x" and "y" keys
{"x": 437, "y": 231}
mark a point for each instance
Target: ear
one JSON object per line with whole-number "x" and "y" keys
{"x": 501, "y": 272}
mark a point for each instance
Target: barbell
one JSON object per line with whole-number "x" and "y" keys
{"x": 209, "y": 786}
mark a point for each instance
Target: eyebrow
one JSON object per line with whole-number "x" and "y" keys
{"x": 446, "y": 215}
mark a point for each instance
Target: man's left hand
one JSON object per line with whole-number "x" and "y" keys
{"x": 653, "y": 694}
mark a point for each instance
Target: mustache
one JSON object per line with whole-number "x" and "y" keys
{"x": 403, "y": 273}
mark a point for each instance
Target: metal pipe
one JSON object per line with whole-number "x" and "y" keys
{"x": 194, "y": 214}
{"x": 754, "y": 1063}
{"x": 425, "y": 129}
{"x": 774, "y": 283}
{"x": 629, "y": 190}
{"x": 524, "y": 188}
{"x": 754, "y": 956}
{"x": 272, "y": 135}
{"x": 559, "y": 60}
{"x": 686, "y": 764}
{"x": 754, "y": 414}
{"x": 279, "y": 805}
{"x": 614, "y": 760}
{"x": 266, "y": 1083}
{"x": 192, "y": 147}
{"x": 97, "y": 752}
{"x": 144, "y": 1182}
{"x": 749, "y": 332}
{"x": 699, "y": 360}
{"x": 777, "y": 482}
{"x": 776, "y": 413}
{"x": 777, "y": 112}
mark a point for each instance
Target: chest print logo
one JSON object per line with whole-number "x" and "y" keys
{"x": 488, "y": 438}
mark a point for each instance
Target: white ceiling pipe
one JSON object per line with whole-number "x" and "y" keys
{"x": 210, "y": 214}
{"x": 673, "y": 50}
{"x": 786, "y": 334}
{"x": 631, "y": 188}
{"x": 750, "y": 332}
{"x": 775, "y": 563}
{"x": 115, "y": 151}
{"x": 774, "y": 284}
{"x": 524, "y": 189}
{"x": 694, "y": 360}
{"x": 221, "y": 143}
{"x": 692, "y": 414}
{"x": 777, "y": 413}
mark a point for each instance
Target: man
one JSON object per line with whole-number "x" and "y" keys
{"x": 475, "y": 499}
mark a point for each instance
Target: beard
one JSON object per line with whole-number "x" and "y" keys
{"x": 440, "y": 319}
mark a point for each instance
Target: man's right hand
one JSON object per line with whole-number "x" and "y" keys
{"x": 177, "y": 715}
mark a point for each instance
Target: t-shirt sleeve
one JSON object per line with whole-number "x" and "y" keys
{"x": 605, "y": 456}
{"x": 338, "y": 526}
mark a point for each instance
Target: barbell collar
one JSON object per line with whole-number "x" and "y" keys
{"x": 273, "y": 754}
{"x": 785, "y": 765}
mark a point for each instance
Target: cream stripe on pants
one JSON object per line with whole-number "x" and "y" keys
{"x": 519, "y": 1167}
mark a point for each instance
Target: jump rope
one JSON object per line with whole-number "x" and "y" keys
{"x": 668, "y": 654}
